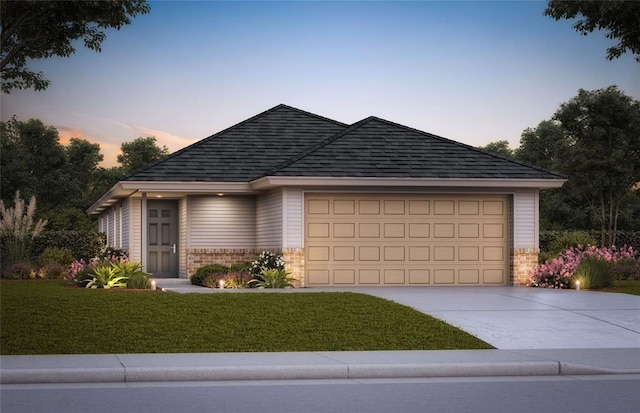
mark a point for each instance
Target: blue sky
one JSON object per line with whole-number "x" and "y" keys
{"x": 474, "y": 72}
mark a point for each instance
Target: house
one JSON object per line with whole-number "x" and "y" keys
{"x": 372, "y": 203}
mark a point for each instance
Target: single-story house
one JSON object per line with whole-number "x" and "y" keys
{"x": 372, "y": 203}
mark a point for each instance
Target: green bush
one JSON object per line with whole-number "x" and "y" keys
{"x": 241, "y": 267}
{"x": 569, "y": 240}
{"x": 53, "y": 271}
{"x": 594, "y": 273}
{"x": 106, "y": 277}
{"x": 627, "y": 270}
{"x": 132, "y": 271}
{"x": 56, "y": 255}
{"x": 83, "y": 245}
{"x": 18, "y": 271}
{"x": 272, "y": 278}
{"x": 232, "y": 280}
{"x": 203, "y": 272}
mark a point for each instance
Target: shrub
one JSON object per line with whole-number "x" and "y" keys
{"x": 106, "y": 277}
{"x": 114, "y": 254}
{"x": 272, "y": 278}
{"x": 80, "y": 270}
{"x": 573, "y": 239}
{"x": 627, "y": 269}
{"x": 139, "y": 281}
{"x": 56, "y": 255}
{"x": 201, "y": 273}
{"x": 268, "y": 260}
{"x": 18, "y": 271}
{"x": 241, "y": 267}
{"x": 84, "y": 245}
{"x": 234, "y": 280}
{"x": 558, "y": 272}
{"x": 594, "y": 273}
{"x": 132, "y": 271}
{"x": 53, "y": 271}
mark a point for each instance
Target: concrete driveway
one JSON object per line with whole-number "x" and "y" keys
{"x": 527, "y": 318}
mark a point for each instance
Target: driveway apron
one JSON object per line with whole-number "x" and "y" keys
{"x": 526, "y": 318}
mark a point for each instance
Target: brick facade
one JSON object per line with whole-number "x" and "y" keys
{"x": 293, "y": 259}
{"x": 522, "y": 261}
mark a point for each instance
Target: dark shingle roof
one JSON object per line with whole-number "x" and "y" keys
{"x": 375, "y": 147}
{"x": 284, "y": 141}
{"x": 245, "y": 151}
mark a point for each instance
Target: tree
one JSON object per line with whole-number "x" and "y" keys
{"x": 139, "y": 153}
{"x": 602, "y": 152}
{"x": 32, "y": 161}
{"x": 541, "y": 145}
{"x": 501, "y": 148}
{"x": 620, "y": 20}
{"x": 83, "y": 158}
{"x": 42, "y": 29}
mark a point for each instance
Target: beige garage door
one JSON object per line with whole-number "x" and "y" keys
{"x": 387, "y": 239}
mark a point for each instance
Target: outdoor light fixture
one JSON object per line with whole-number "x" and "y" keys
{"x": 221, "y": 284}
{"x": 577, "y": 285}
{"x": 220, "y": 194}
{"x": 153, "y": 285}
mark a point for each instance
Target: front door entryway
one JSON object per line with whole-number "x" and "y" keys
{"x": 162, "y": 236}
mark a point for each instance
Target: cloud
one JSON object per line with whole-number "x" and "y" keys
{"x": 66, "y": 133}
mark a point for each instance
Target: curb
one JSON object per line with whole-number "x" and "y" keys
{"x": 132, "y": 368}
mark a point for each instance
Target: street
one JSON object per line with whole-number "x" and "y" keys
{"x": 584, "y": 394}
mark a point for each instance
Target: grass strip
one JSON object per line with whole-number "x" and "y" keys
{"x": 46, "y": 317}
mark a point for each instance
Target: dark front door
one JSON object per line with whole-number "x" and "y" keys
{"x": 162, "y": 236}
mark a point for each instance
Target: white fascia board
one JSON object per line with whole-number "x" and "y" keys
{"x": 188, "y": 187}
{"x": 274, "y": 181}
{"x": 125, "y": 189}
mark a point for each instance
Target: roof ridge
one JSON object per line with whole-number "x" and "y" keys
{"x": 315, "y": 147}
{"x": 217, "y": 134}
{"x": 495, "y": 155}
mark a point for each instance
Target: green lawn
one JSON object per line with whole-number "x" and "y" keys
{"x": 627, "y": 287}
{"x": 46, "y": 317}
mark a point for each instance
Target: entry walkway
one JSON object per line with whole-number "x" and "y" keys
{"x": 508, "y": 317}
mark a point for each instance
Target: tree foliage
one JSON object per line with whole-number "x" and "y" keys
{"x": 594, "y": 139}
{"x": 501, "y": 148}
{"x": 139, "y": 153}
{"x": 42, "y": 29}
{"x": 619, "y": 19}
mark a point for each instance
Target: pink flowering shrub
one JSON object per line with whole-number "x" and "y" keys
{"x": 558, "y": 272}
{"x": 81, "y": 270}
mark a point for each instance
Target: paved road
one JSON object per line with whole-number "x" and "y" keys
{"x": 584, "y": 394}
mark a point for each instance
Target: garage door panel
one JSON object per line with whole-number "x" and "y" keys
{"x": 418, "y": 276}
{"x": 394, "y": 276}
{"x": 406, "y": 239}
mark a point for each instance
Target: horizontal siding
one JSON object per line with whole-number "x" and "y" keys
{"x": 135, "y": 251}
{"x": 182, "y": 237}
{"x": 269, "y": 220}
{"x": 294, "y": 225}
{"x": 222, "y": 222}
{"x": 525, "y": 225}
{"x": 111, "y": 227}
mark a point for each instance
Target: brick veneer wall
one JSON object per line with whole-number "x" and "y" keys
{"x": 293, "y": 259}
{"x": 522, "y": 261}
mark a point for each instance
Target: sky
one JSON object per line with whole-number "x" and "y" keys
{"x": 471, "y": 71}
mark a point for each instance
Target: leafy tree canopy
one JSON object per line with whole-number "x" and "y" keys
{"x": 139, "y": 153}
{"x": 42, "y": 29}
{"x": 501, "y": 148}
{"x": 619, "y": 19}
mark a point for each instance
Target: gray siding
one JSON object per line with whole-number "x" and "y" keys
{"x": 125, "y": 224}
{"x": 525, "y": 220}
{"x": 222, "y": 222}
{"x": 269, "y": 218}
{"x": 135, "y": 251}
{"x": 293, "y": 218}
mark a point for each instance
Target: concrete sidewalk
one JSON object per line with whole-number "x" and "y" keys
{"x": 314, "y": 365}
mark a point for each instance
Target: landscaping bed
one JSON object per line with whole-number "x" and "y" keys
{"x": 46, "y": 317}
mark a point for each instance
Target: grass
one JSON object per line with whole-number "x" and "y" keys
{"x": 625, "y": 286}
{"x": 45, "y": 317}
